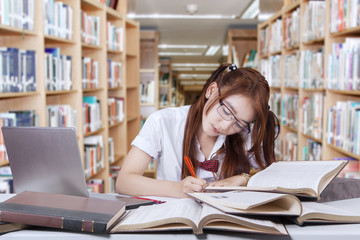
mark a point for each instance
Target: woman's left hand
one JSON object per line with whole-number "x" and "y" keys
{"x": 233, "y": 181}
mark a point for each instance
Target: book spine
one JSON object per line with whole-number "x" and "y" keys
{"x": 52, "y": 221}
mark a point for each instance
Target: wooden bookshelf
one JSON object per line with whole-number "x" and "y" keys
{"x": 149, "y": 72}
{"x": 240, "y": 42}
{"x": 318, "y": 42}
{"x": 165, "y": 83}
{"x": 121, "y": 132}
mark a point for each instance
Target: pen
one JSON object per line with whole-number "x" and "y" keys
{"x": 190, "y": 166}
{"x": 155, "y": 201}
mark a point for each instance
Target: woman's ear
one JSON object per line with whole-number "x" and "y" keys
{"x": 212, "y": 89}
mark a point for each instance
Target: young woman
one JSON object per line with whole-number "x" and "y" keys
{"x": 226, "y": 132}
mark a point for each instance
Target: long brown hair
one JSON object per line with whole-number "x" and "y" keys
{"x": 265, "y": 130}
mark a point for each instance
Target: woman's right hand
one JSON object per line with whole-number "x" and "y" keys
{"x": 191, "y": 184}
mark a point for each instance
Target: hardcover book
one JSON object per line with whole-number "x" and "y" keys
{"x": 62, "y": 211}
{"x": 187, "y": 214}
{"x": 302, "y": 178}
{"x": 251, "y": 203}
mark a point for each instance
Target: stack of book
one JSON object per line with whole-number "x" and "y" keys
{"x": 272, "y": 196}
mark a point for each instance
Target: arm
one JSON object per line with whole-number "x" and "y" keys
{"x": 234, "y": 181}
{"x": 132, "y": 182}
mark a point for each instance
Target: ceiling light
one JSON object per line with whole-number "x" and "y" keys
{"x": 180, "y": 16}
{"x": 195, "y": 64}
{"x": 165, "y": 46}
{"x": 192, "y": 82}
{"x": 212, "y": 50}
{"x": 225, "y": 50}
{"x": 179, "y": 54}
{"x": 252, "y": 11}
{"x": 194, "y": 76}
{"x": 182, "y": 69}
{"x": 192, "y": 8}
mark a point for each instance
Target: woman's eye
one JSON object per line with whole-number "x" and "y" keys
{"x": 226, "y": 111}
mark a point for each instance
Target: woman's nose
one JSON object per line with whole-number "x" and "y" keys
{"x": 226, "y": 125}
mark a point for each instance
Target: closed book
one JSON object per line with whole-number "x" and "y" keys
{"x": 62, "y": 211}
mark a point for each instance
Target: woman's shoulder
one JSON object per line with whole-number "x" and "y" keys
{"x": 170, "y": 113}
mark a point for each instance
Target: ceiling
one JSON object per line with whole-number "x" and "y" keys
{"x": 189, "y": 29}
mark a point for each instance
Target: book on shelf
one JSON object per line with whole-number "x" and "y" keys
{"x": 62, "y": 211}
{"x": 187, "y": 214}
{"x": 58, "y": 19}
{"x": 94, "y": 154}
{"x": 251, "y": 202}
{"x": 17, "y": 70}
{"x": 302, "y": 178}
{"x": 18, "y": 14}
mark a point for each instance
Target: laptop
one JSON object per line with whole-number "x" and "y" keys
{"x": 47, "y": 159}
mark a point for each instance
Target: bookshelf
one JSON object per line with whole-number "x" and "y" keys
{"x": 149, "y": 72}
{"x": 309, "y": 34}
{"x": 99, "y": 70}
{"x": 240, "y": 43}
{"x": 165, "y": 83}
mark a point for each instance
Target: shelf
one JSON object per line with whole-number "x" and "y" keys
{"x": 112, "y": 14}
{"x": 90, "y": 46}
{"x": 94, "y": 132}
{"x": 132, "y": 118}
{"x": 64, "y": 92}
{"x": 115, "y": 125}
{"x": 118, "y": 160}
{"x": 343, "y": 151}
{"x": 313, "y": 89}
{"x": 344, "y": 92}
{"x": 347, "y": 32}
{"x": 91, "y": 5}
{"x": 312, "y": 138}
{"x": 4, "y": 29}
{"x": 53, "y": 39}
{"x": 4, "y": 163}
{"x": 16, "y": 95}
{"x": 91, "y": 90}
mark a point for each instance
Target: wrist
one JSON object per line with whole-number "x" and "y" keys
{"x": 246, "y": 178}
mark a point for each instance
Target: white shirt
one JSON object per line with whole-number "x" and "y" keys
{"x": 162, "y": 137}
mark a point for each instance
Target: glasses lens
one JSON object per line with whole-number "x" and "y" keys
{"x": 225, "y": 113}
{"x": 241, "y": 127}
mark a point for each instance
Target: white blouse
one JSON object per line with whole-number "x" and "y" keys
{"x": 162, "y": 137}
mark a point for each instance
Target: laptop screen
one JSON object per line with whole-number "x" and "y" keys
{"x": 45, "y": 159}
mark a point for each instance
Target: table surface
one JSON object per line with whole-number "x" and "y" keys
{"x": 326, "y": 232}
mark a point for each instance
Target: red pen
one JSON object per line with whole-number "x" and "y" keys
{"x": 155, "y": 201}
{"x": 190, "y": 166}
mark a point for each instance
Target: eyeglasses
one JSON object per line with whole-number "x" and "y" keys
{"x": 240, "y": 126}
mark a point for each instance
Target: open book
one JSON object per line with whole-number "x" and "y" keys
{"x": 252, "y": 203}
{"x": 302, "y": 178}
{"x": 314, "y": 212}
{"x": 187, "y": 214}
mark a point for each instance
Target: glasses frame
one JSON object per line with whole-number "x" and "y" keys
{"x": 243, "y": 129}
{"x": 246, "y": 129}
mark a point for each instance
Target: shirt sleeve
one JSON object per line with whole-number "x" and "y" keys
{"x": 149, "y": 138}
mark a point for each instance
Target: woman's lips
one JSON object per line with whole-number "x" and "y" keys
{"x": 215, "y": 130}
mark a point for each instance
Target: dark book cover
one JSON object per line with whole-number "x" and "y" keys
{"x": 62, "y": 211}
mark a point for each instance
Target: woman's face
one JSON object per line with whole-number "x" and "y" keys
{"x": 233, "y": 107}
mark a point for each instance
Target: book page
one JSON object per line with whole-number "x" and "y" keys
{"x": 238, "y": 199}
{"x": 293, "y": 175}
{"x": 209, "y": 212}
{"x": 314, "y": 207}
{"x": 181, "y": 208}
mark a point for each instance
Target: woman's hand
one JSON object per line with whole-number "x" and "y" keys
{"x": 234, "y": 181}
{"x": 191, "y": 184}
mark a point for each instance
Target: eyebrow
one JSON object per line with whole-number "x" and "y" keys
{"x": 233, "y": 112}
